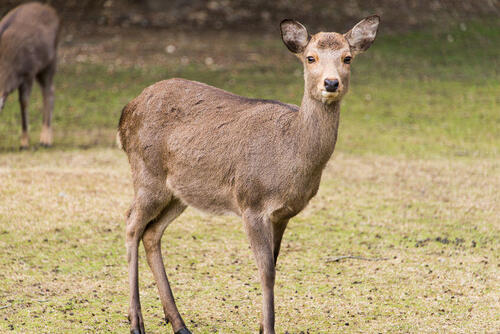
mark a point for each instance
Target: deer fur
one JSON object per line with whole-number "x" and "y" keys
{"x": 28, "y": 50}
{"x": 190, "y": 144}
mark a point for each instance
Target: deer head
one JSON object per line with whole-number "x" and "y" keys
{"x": 327, "y": 56}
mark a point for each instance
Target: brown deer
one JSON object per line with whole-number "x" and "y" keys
{"x": 28, "y": 49}
{"x": 192, "y": 144}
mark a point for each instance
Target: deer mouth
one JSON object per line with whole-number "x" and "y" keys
{"x": 2, "y": 100}
{"x": 328, "y": 97}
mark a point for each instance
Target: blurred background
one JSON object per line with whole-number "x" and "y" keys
{"x": 413, "y": 181}
{"x": 261, "y": 15}
{"x": 111, "y": 49}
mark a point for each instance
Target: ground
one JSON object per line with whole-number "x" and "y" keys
{"x": 412, "y": 189}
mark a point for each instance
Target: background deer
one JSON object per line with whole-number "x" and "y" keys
{"x": 192, "y": 144}
{"x": 28, "y": 50}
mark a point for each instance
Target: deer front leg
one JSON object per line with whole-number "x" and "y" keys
{"x": 45, "y": 79}
{"x": 260, "y": 236}
{"x": 24, "y": 96}
{"x": 48, "y": 107}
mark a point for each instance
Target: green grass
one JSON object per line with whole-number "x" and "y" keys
{"x": 438, "y": 98}
{"x": 414, "y": 181}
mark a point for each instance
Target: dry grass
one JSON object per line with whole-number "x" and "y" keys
{"x": 63, "y": 266}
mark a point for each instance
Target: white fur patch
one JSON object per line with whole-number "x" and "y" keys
{"x": 328, "y": 97}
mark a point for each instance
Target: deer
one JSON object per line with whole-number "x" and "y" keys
{"x": 191, "y": 144}
{"x": 28, "y": 51}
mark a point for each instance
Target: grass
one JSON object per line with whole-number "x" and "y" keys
{"x": 435, "y": 221}
{"x": 439, "y": 98}
{"x": 414, "y": 181}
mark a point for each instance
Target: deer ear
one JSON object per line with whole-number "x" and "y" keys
{"x": 363, "y": 34}
{"x": 294, "y": 35}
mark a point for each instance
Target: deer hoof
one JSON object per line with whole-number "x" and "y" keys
{"x": 137, "y": 331}
{"x": 183, "y": 330}
{"x": 46, "y": 136}
{"x": 25, "y": 141}
{"x": 137, "y": 325}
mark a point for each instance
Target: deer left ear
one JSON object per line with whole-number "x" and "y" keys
{"x": 362, "y": 35}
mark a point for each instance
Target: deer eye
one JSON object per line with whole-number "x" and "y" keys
{"x": 347, "y": 59}
{"x": 310, "y": 59}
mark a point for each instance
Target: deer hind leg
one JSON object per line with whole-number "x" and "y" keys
{"x": 152, "y": 244}
{"x": 149, "y": 201}
{"x": 45, "y": 79}
{"x": 24, "y": 96}
{"x": 260, "y": 234}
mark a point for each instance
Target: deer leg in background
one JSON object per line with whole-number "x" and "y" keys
{"x": 45, "y": 79}
{"x": 24, "y": 96}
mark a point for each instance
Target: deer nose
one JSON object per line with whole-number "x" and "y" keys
{"x": 331, "y": 85}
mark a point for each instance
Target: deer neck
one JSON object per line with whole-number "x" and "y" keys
{"x": 316, "y": 127}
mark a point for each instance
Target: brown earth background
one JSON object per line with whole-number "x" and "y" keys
{"x": 261, "y": 15}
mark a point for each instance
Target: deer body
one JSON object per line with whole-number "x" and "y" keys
{"x": 223, "y": 153}
{"x": 192, "y": 144}
{"x": 28, "y": 51}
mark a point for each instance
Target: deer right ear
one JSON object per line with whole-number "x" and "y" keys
{"x": 294, "y": 35}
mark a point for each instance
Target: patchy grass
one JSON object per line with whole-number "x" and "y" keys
{"x": 414, "y": 182}
{"x": 435, "y": 222}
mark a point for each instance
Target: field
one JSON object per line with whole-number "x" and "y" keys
{"x": 411, "y": 192}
